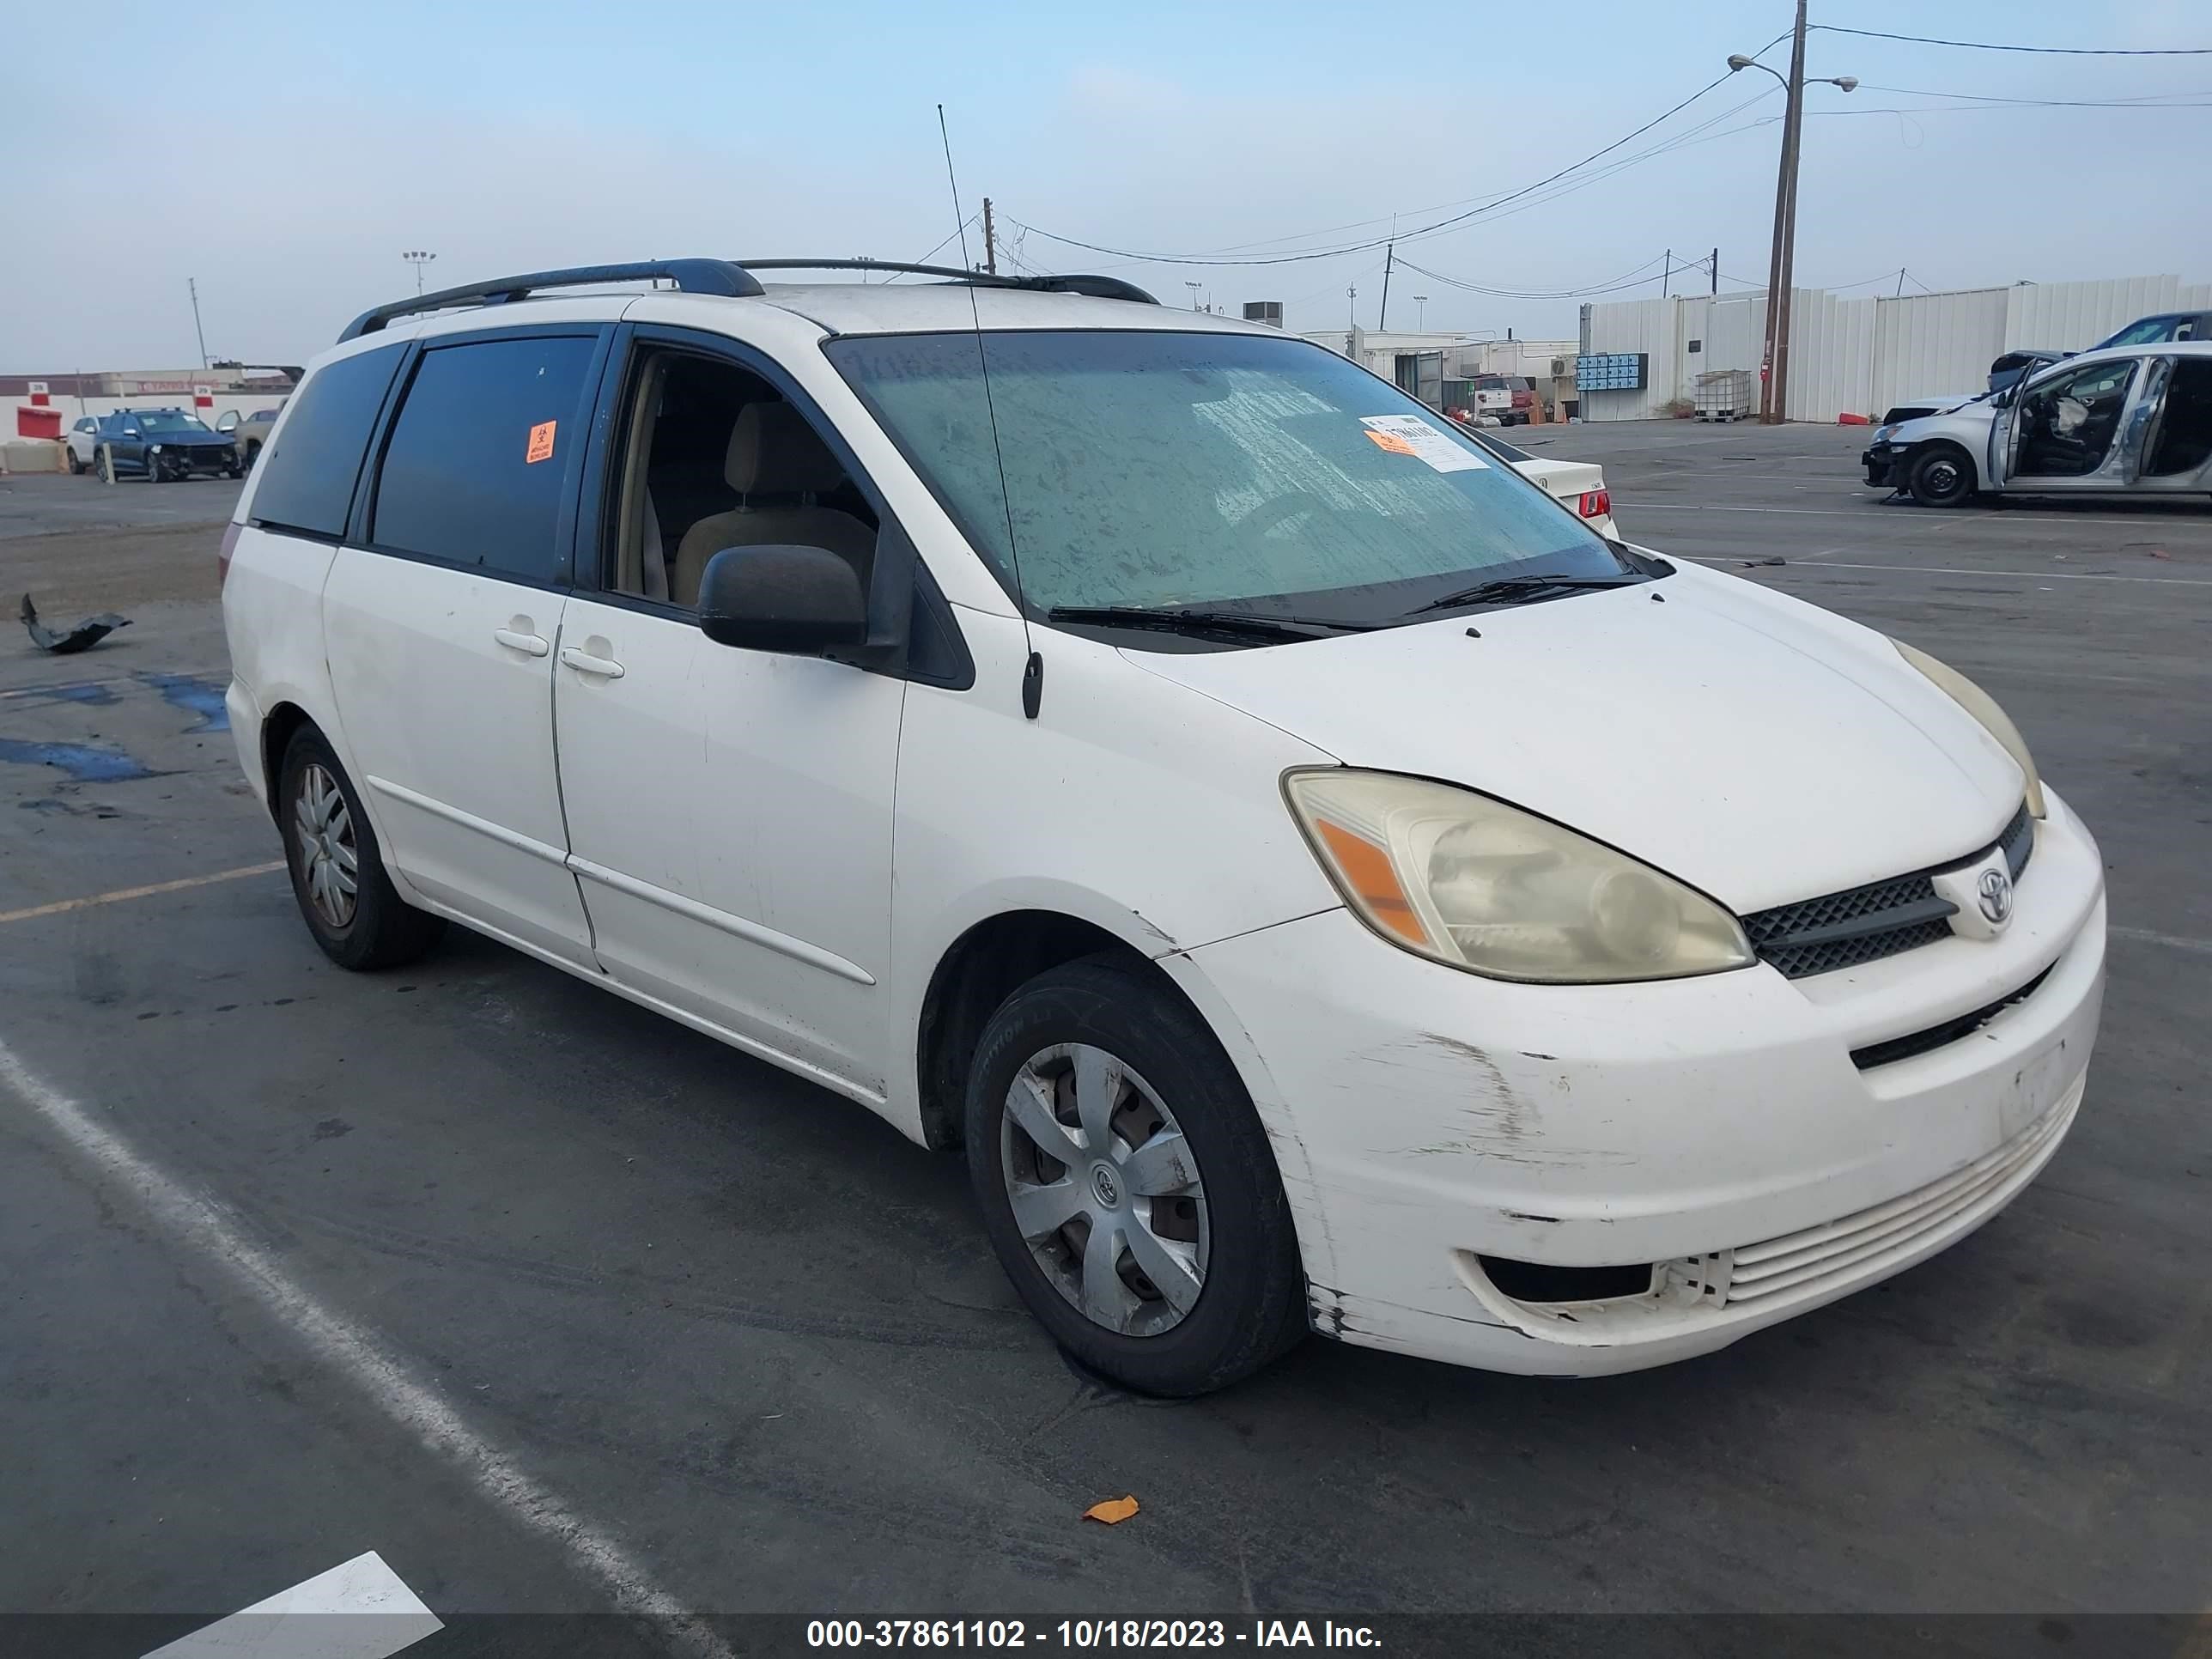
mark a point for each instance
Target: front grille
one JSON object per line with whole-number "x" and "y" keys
{"x": 1864, "y": 924}
{"x": 1921, "y": 1043}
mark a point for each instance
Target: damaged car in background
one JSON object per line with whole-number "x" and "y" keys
{"x": 1318, "y": 883}
{"x": 2122, "y": 419}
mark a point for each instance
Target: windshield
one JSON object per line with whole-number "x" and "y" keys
{"x": 162, "y": 420}
{"x": 1155, "y": 469}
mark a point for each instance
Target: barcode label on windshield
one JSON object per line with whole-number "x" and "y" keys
{"x": 1408, "y": 435}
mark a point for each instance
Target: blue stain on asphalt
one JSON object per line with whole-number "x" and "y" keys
{"x": 199, "y": 696}
{"x": 84, "y": 761}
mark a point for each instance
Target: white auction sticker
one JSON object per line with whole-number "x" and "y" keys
{"x": 1409, "y": 434}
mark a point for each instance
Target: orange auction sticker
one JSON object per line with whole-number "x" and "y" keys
{"x": 541, "y": 442}
{"x": 1391, "y": 442}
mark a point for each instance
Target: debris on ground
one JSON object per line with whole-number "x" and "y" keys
{"x": 1114, "y": 1511}
{"x": 70, "y": 641}
{"x": 1749, "y": 564}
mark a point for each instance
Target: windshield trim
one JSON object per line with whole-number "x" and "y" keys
{"x": 1256, "y": 605}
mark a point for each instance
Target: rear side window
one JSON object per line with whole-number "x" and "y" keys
{"x": 472, "y": 475}
{"x": 306, "y": 478}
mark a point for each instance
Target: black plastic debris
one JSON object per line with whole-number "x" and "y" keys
{"x": 70, "y": 641}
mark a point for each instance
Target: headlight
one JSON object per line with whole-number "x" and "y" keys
{"x": 1471, "y": 882}
{"x": 1983, "y": 707}
{"x": 157, "y": 449}
{"x": 1882, "y": 434}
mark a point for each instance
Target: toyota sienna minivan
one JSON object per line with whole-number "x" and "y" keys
{"x": 1318, "y": 882}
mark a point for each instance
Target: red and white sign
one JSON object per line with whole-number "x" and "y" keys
{"x": 39, "y": 394}
{"x": 203, "y": 397}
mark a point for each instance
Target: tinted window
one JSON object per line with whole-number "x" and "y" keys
{"x": 307, "y": 476}
{"x": 474, "y": 470}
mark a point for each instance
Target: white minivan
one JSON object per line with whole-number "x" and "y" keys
{"x": 1320, "y": 882}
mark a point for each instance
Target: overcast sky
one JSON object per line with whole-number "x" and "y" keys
{"x": 285, "y": 155}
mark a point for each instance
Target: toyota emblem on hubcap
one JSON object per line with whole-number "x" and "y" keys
{"x": 1103, "y": 1182}
{"x": 1993, "y": 892}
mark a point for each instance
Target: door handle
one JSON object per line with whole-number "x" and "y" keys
{"x": 529, "y": 644}
{"x": 585, "y": 663}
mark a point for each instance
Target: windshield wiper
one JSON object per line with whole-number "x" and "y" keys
{"x": 1199, "y": 620}
{"x": 1515, "y": 587}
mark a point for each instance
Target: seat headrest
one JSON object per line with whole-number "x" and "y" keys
{"x": 773, "y": 452}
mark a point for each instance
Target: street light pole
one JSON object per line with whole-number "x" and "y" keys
{"x": 1774, "y": 378}
{"x": 418, "y": 258}
{"x": 1421, "y": 312}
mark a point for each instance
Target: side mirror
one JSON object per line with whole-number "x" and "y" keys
{"x": 228, "y": 423}
{"x": 797, "y": 600}
{"x": 130, "y": 431}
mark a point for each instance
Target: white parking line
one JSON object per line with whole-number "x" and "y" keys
{"x": 359, "y": 1609}
{"x": 2202, "y": 947}
{"x": 1948, "y": 570}
{"x": 410, "y": 1403}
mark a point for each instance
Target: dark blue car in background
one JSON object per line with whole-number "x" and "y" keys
{"x": 164, "y": 444}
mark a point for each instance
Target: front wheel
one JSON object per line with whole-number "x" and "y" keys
{"x": 1127, "y": 1185}
{"x": 1941, "y": 478}
{"x": 337, "y": 870}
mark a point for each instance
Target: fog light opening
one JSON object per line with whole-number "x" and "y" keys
{"x": 1543, "y": 1284}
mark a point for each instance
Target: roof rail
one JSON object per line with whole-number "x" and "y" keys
{"x": 1097, "y": 288}
{"x": 716, "y": 277}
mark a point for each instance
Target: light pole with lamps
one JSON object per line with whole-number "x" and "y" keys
{"x": 1773, "y": 392}
{"x": 1421, "y": 312}
{"x": 418, "y": 258}
{"x": 1194, "y": 288}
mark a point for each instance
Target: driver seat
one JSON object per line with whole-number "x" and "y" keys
{"x": 774, "y": 453}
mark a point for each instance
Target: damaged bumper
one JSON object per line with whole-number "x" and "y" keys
{"x": 1885, "y": 466}
{"x": 1582, "y": 1179}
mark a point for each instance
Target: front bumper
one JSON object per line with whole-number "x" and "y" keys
{"x": 1715, "y": 1129}
{"x": 1884, "y": 467}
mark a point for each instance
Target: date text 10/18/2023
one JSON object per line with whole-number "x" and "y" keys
{"x": 1085, "y": 1635}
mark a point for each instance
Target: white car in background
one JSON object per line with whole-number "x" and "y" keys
{"x": 1576, "y": 485}
{"x": 83, "y": 444}
{"x": 1318, "y": 882}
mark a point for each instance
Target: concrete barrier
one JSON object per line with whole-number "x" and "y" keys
{"x": 32, "y": 455}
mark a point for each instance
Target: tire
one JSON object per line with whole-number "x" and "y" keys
{"x": 155, "y": 472}
{"x": 1225, "y": 1222}
{"x": 75, "y": 466}
{"x": 1941, "y": 477}
{"x": 252, "y": 454}
{"x": 372, "y": 927}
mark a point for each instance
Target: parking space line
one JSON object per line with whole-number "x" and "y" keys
{"x": 411, "y": 1404}
{"x": 1628, "y": 504}
{"x": 1948, "y": 570}
{"x": 2202, "y": 947}
{"x": 359, "y": 1609}
{"x": 147, "y": 891}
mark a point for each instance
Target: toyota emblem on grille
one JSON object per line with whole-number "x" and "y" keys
{"x": 1994, "y": 892}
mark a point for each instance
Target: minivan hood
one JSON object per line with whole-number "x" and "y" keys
{"x": 1752, "y": 745}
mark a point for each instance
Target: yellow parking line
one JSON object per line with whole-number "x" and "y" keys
{"x": 147, "y": 891}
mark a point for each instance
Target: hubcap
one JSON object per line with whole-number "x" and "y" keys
{"x": 1943, "y": 476}
{"x": 329, "y": 864}
{"x": 1105, "y": 1190}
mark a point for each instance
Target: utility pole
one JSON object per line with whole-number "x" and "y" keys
{"x": 1781, "y": 271}
{"x": 990, "y": 242}
{"x": 1666, "y": 273}
{"x": 192, "y": 284}
{"x": 1383, "y": 315}
{"x": 1716, "y": 271}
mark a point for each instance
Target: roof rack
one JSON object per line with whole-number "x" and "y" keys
{"x": 1097, "y": 288}
{"x": 717, "y": 277}
{"x": 724, "y": 278}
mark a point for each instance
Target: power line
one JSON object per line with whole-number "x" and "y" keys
{"x": 2059, "y": 52}
{"x": 1420, "y": 231}
{"x": 1635, "y": 278}
{"x": 2147, "y": 100}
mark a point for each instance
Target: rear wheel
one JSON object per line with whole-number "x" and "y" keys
{"x": 1941, "y": 477}
{"x": 75, "y": 466}
{"x": 1127, "y": 1185}
{"x": 338, "y": 871}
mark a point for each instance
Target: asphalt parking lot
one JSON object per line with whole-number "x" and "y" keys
{"x": 561, "y": 1308}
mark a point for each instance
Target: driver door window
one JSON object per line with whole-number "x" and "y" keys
{"x": 2067, "y": 424}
